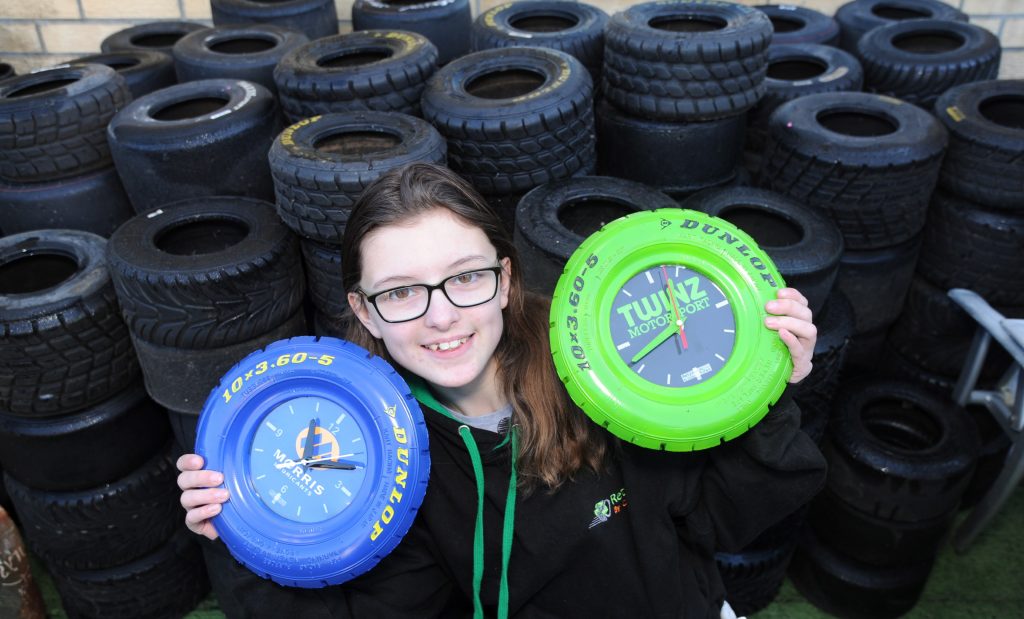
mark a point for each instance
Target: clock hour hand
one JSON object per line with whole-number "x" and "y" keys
{"x": 328, "y": 464}
{"x": 668, "y": 332}
{"x": 317, "y": 462}
{"x": 307, "y": 449}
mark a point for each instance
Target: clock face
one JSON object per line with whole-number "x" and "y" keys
{"x": 674, "y": 341}
{"x": 286, "y": 483}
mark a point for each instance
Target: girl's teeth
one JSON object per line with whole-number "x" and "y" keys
{"x": 447, "y": 345}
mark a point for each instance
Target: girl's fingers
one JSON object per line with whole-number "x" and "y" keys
{"x": 789, "y": 307}
{"x": 199, "y": 479}
{"x": 195, "y": 498}
{"x": 189, "y": 462}
{"x": 792, "y": 293}
{"x": 801, "y": 328}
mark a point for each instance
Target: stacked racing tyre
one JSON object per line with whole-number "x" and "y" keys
{"x": 314, "y": 18}
{"x": 248, "y": 52}
{"x": 445, "y": 23}
{"x": 858, "y": 17}
{"x": 143, "y": 71}
{"x": 152, "y": 37}
{"x": 797, "y": 24}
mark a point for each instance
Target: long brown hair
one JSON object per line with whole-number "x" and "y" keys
{"x": 556, "y": 440}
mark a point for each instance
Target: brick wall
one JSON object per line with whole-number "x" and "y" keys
{"x": 37, "y": 33}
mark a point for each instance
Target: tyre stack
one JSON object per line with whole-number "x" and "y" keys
{"x": 143, "y": 71}
{"x": 157, "y": 36}
{"x": 678, "y": 78}
{"x": 87, "y": 456}
{"x": 974, "y": 237}
{"x": 320, "y": 167}
{"x": 55, "y": 164}
{"x": 445, "y": 24}
{"x": 201, "y": 284}
{"x": 313, "y": 18}
{"x": 248, "y": 52}
{"x": 858, "y": 17}
{"x": 899, "y": 458}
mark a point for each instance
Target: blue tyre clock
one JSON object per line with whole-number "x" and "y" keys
{"x": 324, "y": 451}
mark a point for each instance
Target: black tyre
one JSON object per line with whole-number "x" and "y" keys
{"x": 446, "y": 24}
{"x": 844, "y": 587}
{"x": 675, "y": 157}
{"x": 314, "y": 18}
{"x": 798, "y": 24}
{"x": 991, "y": 457}
{"x": 163, "y": 144}
{"x": 85, "y": 449}
{"x": 103, "y": 526}
{"x": 895, "y": 365}
{"x": 514, "y": 118}
{"x": 53, "y": 122}
{"x": 248, "y": 52}
{"x": 920, "y": 59}
{"x": 143, "y": 71}
{"x": 95, "y": 202}
{"x": 858, "y": 17}
{"x": 153, "y": 37}
{"x": 804, "y": 243}
{"x": 898, "y": 451}
{"x": 181, "y": 379}
{"x": 321, "y": 165}
{"x": 685, "y": 60}
{"x": 6, "y": 71}
{"x": 815, "y": 393}
{"x": 323, "y": 277}
{"x": 967, "y": 246}
{"x": 870, "y": 162}
{"x": 985, "y": 121}
{"x": 876, "y": 283}
{"x": 752, "y": 579}
{"x": 164, "y": 584}
{"x": 63, "y": 345}
{"x": 331, "y": 325}
{"x": 183, "y": 425}
{"x": 378, "y": 70}
{"x": 572, "y": 27}
{"x": 206, "y": 273}
{"x": 553, "y": 219}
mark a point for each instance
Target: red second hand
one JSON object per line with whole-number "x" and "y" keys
{"x": 672, "y": 296}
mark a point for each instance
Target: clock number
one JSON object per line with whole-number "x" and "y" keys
{"x": 261, "y": 367}
{"x": 299, "y": 357}
{"x": 283, "y": 360}
{"x": 325, "y": 360}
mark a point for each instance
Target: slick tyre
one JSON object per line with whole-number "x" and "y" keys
{"x": 143, "y": 71}
{"x": 249, "y": 52}
{"x": 152, "y": 37}
{"x": 797, "y": 24}
{"x": 94, "y": 202}
{"x": 445, "y": 23}
{"x": 314, "y": 18}
{"x": 859, "y": 16}
{"x": 876, "y": 283}
{"x": 323, "y": 276}
{"x": 53, "y": 122}
{"x": 63, "y": 345}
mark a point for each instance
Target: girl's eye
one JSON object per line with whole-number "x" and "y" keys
{"x": 401, "y": 294}
{"x": 466, "y": 278}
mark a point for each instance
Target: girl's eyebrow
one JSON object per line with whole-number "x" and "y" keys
{"x": 399, "y": 279}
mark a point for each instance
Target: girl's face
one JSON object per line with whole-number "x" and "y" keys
{"x": 426, "y": 250}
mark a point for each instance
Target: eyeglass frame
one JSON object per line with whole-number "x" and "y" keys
{"x": 372, "y": 298}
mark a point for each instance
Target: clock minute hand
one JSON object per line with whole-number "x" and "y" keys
{"x": 668, "y": 332}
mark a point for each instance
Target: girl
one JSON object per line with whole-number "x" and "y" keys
{"x": 572, "y": 522}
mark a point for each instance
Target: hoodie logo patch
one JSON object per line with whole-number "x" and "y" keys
{"x": 606, "y": 508}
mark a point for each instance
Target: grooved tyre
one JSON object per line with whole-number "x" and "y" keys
{"x": 53, "y": 122}
{"x": 94, "y": 202}
{"x": 314, "y": 18}
{"x": 798, "y": 24}
{"x": 106, "y": 525}
{"x": 681, "y": 61}
{"x": 898, "y": 451}
{"x": 445, "y": 23}
{"x": 870, "y": 162}
{"x": 206, "y": 273}
{"x": 985, "y": 121}
{"x": 514, "y": 118}
{"x": 321, "y": 165}
{"x": 804, "y": 244}
{"x": 552, "y": 220}
{"x": 323, "y": 276}
{"x": 377, "y": 70}
{"x": 876, "y": 283}
{"x": 572, "y": 27}
{"x": 918, "y": 60}
{"x": 63, "y": 345}
{"x": 163, "y": 144}
{"x": 143, "y": 71}
{"x": 752, "y": 579}
{"x": 968, "y": 246}
{"x": 815, "y": 393}
{"x": 859, "y": 16}
{"x": 153, "y": 37}
{"x": 247, "y": 52}
{"x": 85, "y": 449}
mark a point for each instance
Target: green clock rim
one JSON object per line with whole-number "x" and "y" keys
{"x": 650, "y": 415}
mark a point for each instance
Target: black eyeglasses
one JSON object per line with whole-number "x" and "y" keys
{"x": 464, "y": 289}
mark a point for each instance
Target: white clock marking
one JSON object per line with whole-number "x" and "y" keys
{"x": 339, "y": 419}
{"x": 345, "y": 490}
{"x": 720, "y": 357}
{"x": 626, "y": 292}
{"x": 317, "y": 409}
{"x": 650, "y": 279}
{"x": 272, "y": 427}
{"x": 668, "y": 379}
{"x": 298, "y": 512}
{"x": 260, "y": 477}
{"x": 357, "y": 439}
{"x": 258, "y": 449}
{"x": 722, "y": 303}
{"x": 728, "y": 331}
{"x": 677, "y": 270}
{"x": 641, "y": 368}
{"x": 325, "y": 508}
{"x": 291, "y": 409}
{"x": 622, "y": 345}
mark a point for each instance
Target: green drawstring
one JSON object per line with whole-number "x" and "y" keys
{"x": 508, "y": 526}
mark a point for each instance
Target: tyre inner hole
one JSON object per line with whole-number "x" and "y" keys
{"x": 158, "y": 39}
{"x": 207, "y": 236}
{"x": 34, "y": 89}
{"x": 122, "y": 63}
{"x": 546, "y": 22}
{"x": 585, "y": 216}
{"x": 787, "y": 24}
{"x": 505, "y": 84}
{"x": 858, "y": 123}
{"x": 928, "y": 42}
{"x": 899, "y": 13}
{"x": 796, "y": 70}
{"x": 768, "y": 229}
{"x": 243, "y": 45}
{"x": 1005, "y": 111}
{"x": 189, "y": 108}
{"x": 356, "y": 143}
{"x": 35, "y": 272}
{"x": 354, "y": 58}
{"x": 901, "y": 425}
{"x": 400, "y": 2}
{"x": 687, "y": 23}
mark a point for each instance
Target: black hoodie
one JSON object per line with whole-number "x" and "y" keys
{"x": 636, "y": 540}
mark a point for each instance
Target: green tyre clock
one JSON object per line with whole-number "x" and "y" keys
{"x": 657, "y": 330}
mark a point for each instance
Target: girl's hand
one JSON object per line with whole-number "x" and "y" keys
{"x": 200, "y": 497}
{"x": 792, "y": 319}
